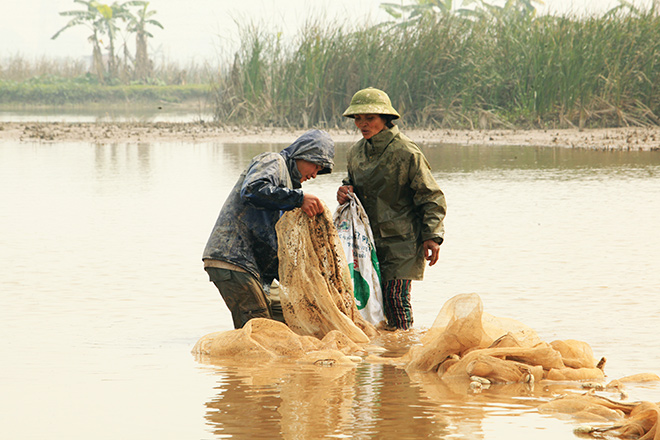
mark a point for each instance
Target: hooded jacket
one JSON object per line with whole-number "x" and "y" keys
{"x": 244, "y": 233}
{"x": 405, "y": 205}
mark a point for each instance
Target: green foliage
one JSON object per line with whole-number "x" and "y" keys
{"x": 412, "y": 13}
{"x": 502, "y": 67}
{"x": 51, "y": 90}
{"x": 104, "y": 20}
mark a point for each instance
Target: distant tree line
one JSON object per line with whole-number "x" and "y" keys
{"x": 104, "y": 23}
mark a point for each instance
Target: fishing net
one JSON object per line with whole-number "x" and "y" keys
{"x": 263, "y": 340}
{"x": 465, "y": 348}
{"x": 465, "y": 342}
{"x": 466, "y": 345}
{"x": 638, "y": 420}
{"x": 316, "y": 289}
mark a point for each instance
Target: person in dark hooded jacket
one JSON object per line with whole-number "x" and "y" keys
{"x": 241, "y": 254}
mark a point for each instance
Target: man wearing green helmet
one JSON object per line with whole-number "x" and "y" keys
{"x": 406, "y": 208}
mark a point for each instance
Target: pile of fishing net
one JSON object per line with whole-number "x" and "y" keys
{"x": 262, "y": 340}
{"x": 316, "y": 294}
{"x": 465, "y": 346}
{"x": 465, "y": 343}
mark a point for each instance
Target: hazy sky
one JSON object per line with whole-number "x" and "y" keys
{"x": 199, "y": 30}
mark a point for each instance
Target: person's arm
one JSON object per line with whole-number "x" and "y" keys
{"x": 264, "y": 185}
{"x": 345, "y": 188}
{"x": 430, "y": 203}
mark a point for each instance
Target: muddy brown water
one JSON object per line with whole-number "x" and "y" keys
{"x": 102, "y": 294}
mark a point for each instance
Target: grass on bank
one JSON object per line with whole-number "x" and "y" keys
{"x": 499, "y": 70}
{"x": 75, "y": 93}
{"x": 57, "y": 82}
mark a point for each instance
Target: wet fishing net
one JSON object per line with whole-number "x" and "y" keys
{"x": 465, "y": 349}
{"x": 468, "y": 346}
{"x": 316, "y": 289}
{"x": 316, "y": 294}
{"x": 626, "y": 420}
{"x": 262, "y": 339}
{"x": 465, "y": 342}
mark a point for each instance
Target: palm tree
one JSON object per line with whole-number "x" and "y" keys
{"x": 91, "y": 18}
{"x": 138, "y": 24}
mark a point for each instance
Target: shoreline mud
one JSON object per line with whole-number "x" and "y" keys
{"x": 621, "y": 139}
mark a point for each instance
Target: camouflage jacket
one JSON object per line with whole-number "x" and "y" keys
{"x": 244, "y": 233}
{"x": 405, "y": 205}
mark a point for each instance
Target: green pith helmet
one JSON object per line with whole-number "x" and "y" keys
{"x": 370, "y": 101}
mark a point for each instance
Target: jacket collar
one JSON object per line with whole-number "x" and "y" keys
{"x": 380, "y": 141}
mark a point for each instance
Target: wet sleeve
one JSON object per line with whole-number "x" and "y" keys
{"x": 265, "y": 186}
{"x": 428, "y": 198}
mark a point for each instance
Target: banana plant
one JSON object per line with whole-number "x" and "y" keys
{"x": 523, "y": 8}
{"x": 91, "y": 18}
{"x": 102, "y": 20}
{"x": 408, "y": 14}
{"x": 137, "y": 24}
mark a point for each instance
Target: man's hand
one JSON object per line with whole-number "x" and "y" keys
{"x": 342, "y": 193}
{"x": 312, "y": 205}
{"x": 431, "y": 251}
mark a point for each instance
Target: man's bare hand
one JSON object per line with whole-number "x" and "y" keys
{"x": 342, "y": 193}
{"x": 312, "y": 205}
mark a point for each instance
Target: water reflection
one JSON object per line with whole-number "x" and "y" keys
{"x": 279, "y": 400}
{"x": 303, "y": 402}
{"x": 470, "y": 158}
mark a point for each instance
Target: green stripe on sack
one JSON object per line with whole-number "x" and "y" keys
{"x": 361, "y": 290}
{"x": 374, "y": 262}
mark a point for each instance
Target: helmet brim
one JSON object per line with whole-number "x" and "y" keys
{"x": 370, "y": 109}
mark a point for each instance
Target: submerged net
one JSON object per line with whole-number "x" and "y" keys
{"x": 634, "y": 420}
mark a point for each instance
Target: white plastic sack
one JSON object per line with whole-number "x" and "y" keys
{"x": 357, "y": 240}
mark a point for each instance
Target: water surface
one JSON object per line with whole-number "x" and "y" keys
{"x": 102, "y": 292}
{"x": 114, "y": 113}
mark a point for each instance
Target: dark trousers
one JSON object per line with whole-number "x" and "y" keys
{"x": 243, "y": 294}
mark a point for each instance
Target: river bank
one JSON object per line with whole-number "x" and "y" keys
{"x": 637, "y": 138}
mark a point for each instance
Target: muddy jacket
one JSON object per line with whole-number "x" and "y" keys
{"x": 393, "y": 180}
{"x": 244, "y": 233}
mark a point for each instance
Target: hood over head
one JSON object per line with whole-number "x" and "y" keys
{"x": 314, "y": 146}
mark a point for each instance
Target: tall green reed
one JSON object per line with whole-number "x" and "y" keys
{"x": 509, "y": 69}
